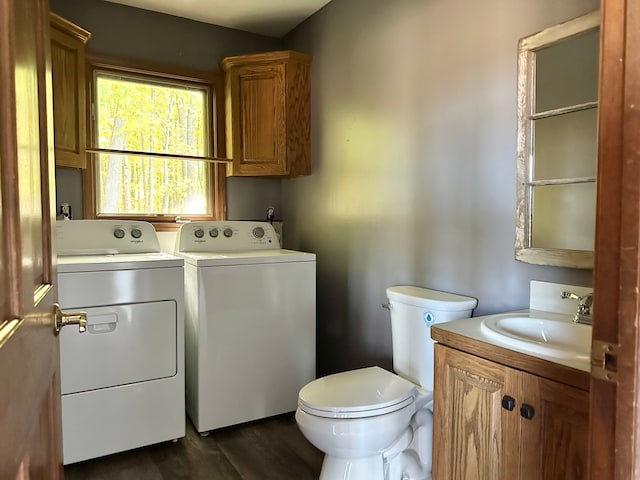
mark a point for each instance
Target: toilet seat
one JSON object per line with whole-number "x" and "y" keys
{"x": 359, "y": 393}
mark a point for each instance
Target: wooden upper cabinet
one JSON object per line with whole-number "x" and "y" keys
{"x": 68, "y": 81}
{"x": 268, "y": 109}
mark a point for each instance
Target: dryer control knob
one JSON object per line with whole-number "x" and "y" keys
{"x": 118, "y": 233}
{"x": 213, "y": 233}
{"x": 199, "y": 233}
{"x": 258, "y": 232}
{"x": 228, "y": 232}
{"x": 136, "y": 233}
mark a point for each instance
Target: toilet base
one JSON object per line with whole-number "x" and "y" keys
{"x": 409, "y": 458}
{"x": 368, "y": 468}
{"x": 405, "y": 466}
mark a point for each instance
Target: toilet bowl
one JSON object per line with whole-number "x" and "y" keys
{"x": 362, "y": 421}
{"x": 373, "y": 424}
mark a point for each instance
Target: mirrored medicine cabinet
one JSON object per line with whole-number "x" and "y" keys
{"x": 557, "y": 144}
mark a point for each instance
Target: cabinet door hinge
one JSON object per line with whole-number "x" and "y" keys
{"x": 604, "y": 360}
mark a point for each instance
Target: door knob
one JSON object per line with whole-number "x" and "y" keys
{"x": 508, "y": 403}
{"x": 527, "y": 411}
{"x": 62, "y": 319}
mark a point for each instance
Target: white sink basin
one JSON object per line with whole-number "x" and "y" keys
{"x": 555, "y": 337}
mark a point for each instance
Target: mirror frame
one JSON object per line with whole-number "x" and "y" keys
{"x": 527, "y": 48}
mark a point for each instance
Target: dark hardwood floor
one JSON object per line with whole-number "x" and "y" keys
{"x": 263, "y": 450}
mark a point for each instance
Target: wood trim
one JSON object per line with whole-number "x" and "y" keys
{"x": 47, "y": 154}
{"x": 220, "y": 150}
{"x": 68, "y": 27}
{"x": 612, "y": 443}
{"x": 12, "y": 242}
{"x": 561, "y": 181}
{"x": 147, "y": 68}
{"x": 563, "y": 110}
{"x": 556, "y": 257}
{"x": 283, "y": 56}
{"x": 627, "y": 425}
{"x": 520, "y": 361}
{"x": 562, "y": 31}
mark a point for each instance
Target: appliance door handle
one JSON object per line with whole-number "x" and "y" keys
{"x": 103, "y": 323}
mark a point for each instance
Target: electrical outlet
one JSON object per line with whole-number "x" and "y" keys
{"x": 65, "y": 211}
{"x": 271, "y": 213}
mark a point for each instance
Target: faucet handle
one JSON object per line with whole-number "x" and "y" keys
{"x": 570, "y": 295}
{"x": 585, "y": 303}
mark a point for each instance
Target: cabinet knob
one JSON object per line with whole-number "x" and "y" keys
{"x": 527, "y": 411}
{"x": 508, "y": 403}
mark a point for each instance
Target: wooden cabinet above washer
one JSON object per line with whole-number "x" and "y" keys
{"x": 68, "y": 84}
{"x": 268, "y": 110}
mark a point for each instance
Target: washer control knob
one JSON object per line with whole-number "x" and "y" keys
{"x": 136, "y": 232}
{"x": 228, "y": 232}
{"x": 258, "y": 232}
{"x": 199, "y": 233}
{"x": 213, "y": 233}
{"x": 118, "y": 233}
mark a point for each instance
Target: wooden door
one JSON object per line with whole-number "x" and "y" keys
{"x": 614, "y": 428}
{"x": 554, "y": 430}
{"x": 474, "y": 436}
{"x": 30, "y": 438}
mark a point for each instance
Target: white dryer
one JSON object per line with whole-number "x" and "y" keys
{"x": 123, "y": 378}
{"x": 250, "y": 322}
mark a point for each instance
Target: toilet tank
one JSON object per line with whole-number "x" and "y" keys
{"x": 413, "y": 311}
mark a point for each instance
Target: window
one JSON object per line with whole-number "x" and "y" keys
{"x": 149, "y": 131}
{"x": 557, "y": 144}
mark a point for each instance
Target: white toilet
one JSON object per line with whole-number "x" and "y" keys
{"x": 373, "y": 424}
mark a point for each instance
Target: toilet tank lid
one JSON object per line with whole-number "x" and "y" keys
{"x": 426, "y": 298}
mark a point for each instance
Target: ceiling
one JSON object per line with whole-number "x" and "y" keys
{"x": 274, "y": 18}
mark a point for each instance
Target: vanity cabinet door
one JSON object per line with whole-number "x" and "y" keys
{"x": 68, "y": 85}
{"x": 554, "y": 441}
{"x": 474, "y": 435}
{"x": 495, "y": 422}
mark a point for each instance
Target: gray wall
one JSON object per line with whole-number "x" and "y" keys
{"x": 414, "y": 161}
{"x": 132, "y": 33}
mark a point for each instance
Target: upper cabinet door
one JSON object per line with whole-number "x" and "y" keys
{"x": 68, "y": 80}
{"x": 267, "y": 102}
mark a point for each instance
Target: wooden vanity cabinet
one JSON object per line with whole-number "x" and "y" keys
{"x": 68, "y": 82}
{"x": 480, "y": 431}
{"x": 268, "y": 109}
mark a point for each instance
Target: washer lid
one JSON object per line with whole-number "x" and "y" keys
{"x": 357, "y": 393}
{"x": 250, "y": 257}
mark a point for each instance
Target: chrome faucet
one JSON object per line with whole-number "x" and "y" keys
{"x": 584, "y": 313}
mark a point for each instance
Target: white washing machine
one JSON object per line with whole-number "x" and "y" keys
{"x": 123, "y": 378}
{"x": 250, "y": 322}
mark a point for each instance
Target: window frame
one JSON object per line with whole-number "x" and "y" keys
{"x": 216, "y": 145}
{"x": 527, "y": 49}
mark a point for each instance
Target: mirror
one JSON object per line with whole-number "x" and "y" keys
{"x": 557, "y": 144}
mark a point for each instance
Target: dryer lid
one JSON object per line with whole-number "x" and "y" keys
{"x": 357, "y": 393}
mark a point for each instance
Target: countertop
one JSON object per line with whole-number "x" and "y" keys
{"x": 467, "y": 335}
